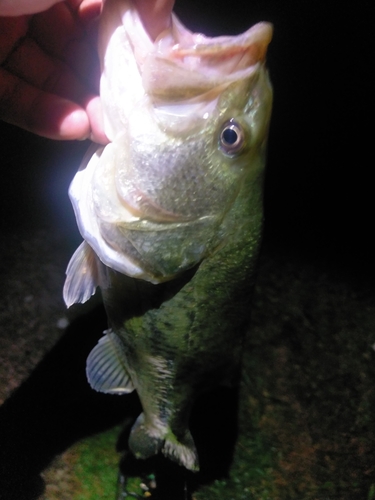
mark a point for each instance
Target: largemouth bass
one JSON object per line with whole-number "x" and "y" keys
{"x": 171, "y": 216}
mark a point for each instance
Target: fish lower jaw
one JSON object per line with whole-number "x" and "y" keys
{"x": 146, "y": 441}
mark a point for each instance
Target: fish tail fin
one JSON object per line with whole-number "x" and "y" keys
{"x": 182, "y": 451}
{"x": 146, "y": 441}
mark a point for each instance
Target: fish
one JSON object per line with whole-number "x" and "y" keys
{"x": 171, "y": 215}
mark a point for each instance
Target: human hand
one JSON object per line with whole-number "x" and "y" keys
{"x": 49, "y": 70}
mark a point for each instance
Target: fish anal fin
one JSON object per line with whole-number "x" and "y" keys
{"x": 81, "y": 275}
{"x": 146, "y": 441}
{"x": 106, "y": 366}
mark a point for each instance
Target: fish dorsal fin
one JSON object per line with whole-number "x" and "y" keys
{"x": 81, "y": 275}
{"x": 106, "y": 366}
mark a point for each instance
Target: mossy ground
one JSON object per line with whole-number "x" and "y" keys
{"x": 97, "y": 466}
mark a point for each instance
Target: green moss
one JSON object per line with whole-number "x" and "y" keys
{"x": 97, "y": 466}
{"x": 250, "y": 475}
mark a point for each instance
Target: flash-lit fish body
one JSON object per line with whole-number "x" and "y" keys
{"x": 171, "y": 215}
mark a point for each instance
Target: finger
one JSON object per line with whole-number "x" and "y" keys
{"x": 59, "y": 33}
{"x": 45, "y": 73}
{"x": 95, "y": 114}
{"x": 155, "y": 15}
{"x": 86, "y": 10}
{"x": 40, "y": 112}
{"x": 12, "y": 29}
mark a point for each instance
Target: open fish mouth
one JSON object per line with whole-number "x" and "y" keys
{"x": 196, "y": 65}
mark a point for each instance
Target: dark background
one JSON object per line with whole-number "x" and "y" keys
{"x": 318, "y": 242}
{"x": 318, "y": 195}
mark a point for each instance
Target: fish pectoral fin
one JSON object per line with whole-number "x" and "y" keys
{"x": 106, "y": 366}
{"x": 81, "y": 275}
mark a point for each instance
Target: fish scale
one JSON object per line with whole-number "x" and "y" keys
{"x": 179, "y": 188}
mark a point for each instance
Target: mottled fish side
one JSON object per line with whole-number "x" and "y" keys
{"x": 198, "y": 329}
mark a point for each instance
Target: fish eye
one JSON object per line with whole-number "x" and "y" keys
{"x": 232, "y": 138}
